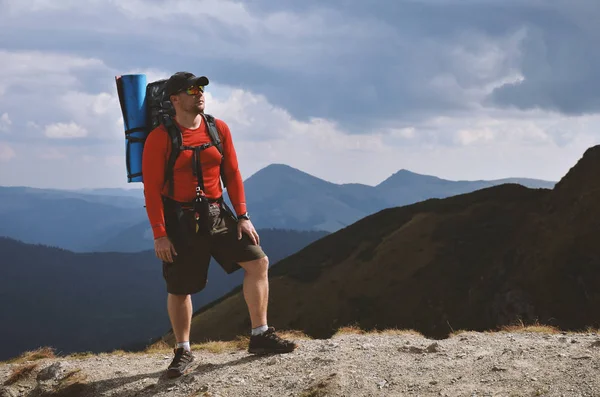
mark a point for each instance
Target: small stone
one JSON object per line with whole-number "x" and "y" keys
{"x": 411, "y": 349}
{"x": 192, "y": 379}
{"x": 51, "y": 372}
{"x": 434, "y": 347}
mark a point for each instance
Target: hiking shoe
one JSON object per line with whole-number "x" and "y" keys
{"x": 180, "y": 363}
{"x": 269, "y": 342}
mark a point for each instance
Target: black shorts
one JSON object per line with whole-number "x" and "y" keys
{"x": 188, "y": 273}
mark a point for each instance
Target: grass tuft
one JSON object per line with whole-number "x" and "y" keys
{"x": 20, "y": 372}
{"x": 350, "y": 330}
{"x": 294, "y": 334}
{"x": 536, "y": 327}
{"x": 34, "y": 355}
{"x": 158, "y": 347}
{"x": 356, "y": 330}
{"x": 241, "y": 343}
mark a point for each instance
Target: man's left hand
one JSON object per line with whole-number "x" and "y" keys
{"x": 245, "y": 226}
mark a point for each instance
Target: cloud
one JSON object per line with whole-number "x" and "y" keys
{"x": 351, "y": 91}
{"x": 501, "y": 143}
{"x": 65, "y": 130}
{"x": 561, "y": 71}
{"x": 6, "y": 152}
{"x": 392, "y": 61}
{"x": 39, "y": 90}
{"x": 483, "y": 145}
{"x": 99, "y": 114}
{"x": 5, "y": 122}
{"x": 39, "y": 72}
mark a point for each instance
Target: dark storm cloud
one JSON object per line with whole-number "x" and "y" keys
{"x": 361, "y": 64}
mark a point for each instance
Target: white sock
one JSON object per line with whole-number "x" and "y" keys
{"x": 185, "y": 345}
{"x": 259, "y": 330}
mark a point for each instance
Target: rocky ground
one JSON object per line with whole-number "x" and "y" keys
{"x": 349, "y": 364}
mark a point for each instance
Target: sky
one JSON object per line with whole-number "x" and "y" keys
{"x": 348, "y": 91}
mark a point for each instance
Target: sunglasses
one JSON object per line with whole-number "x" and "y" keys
{"x": 195, "y": 90}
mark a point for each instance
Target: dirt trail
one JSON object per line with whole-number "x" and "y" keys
{"x": 467, "y": 364}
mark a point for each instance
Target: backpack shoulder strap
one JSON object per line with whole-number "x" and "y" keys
{"x": 176, "y": 142}
{"x": 213, "y": 131}
{"x": 216, "y": 140}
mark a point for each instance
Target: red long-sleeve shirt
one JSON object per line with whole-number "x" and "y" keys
{"x": 155, "y": 155}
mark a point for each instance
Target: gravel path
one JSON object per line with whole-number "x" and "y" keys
{"x": 468, "y": 364}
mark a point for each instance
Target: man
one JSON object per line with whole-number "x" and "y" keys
{"x": 187, "y": 234}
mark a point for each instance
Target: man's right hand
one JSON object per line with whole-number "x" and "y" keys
{"x": 164, "y": 249}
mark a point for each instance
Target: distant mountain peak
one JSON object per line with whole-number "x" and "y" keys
{"x": 407, "y": 177}
{"x": 280, "y": 167}
{"x": 278, "y": 171}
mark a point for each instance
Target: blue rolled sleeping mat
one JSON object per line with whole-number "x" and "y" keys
{"x": 131, "y": 89}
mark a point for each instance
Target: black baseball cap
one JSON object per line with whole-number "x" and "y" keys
{"x": 181, "y": 81}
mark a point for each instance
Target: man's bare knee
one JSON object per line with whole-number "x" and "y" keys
{"x": 257, "y": 267}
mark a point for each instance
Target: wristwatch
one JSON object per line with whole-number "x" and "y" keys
{"x": 244, "y": 216}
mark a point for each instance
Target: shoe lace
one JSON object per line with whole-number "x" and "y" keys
{"x": 181, "y": 356}
{"x": 270, "y": 334}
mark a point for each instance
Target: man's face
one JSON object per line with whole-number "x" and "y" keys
{"x": 190, "y": 101}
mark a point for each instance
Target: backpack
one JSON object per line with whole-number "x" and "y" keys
{"x": 159, "y": 110}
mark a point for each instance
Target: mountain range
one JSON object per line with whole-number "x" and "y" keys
{"x": 278, "y": 196}
{"x": 100, "y": 301}
{"x": 497, "y": 256}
